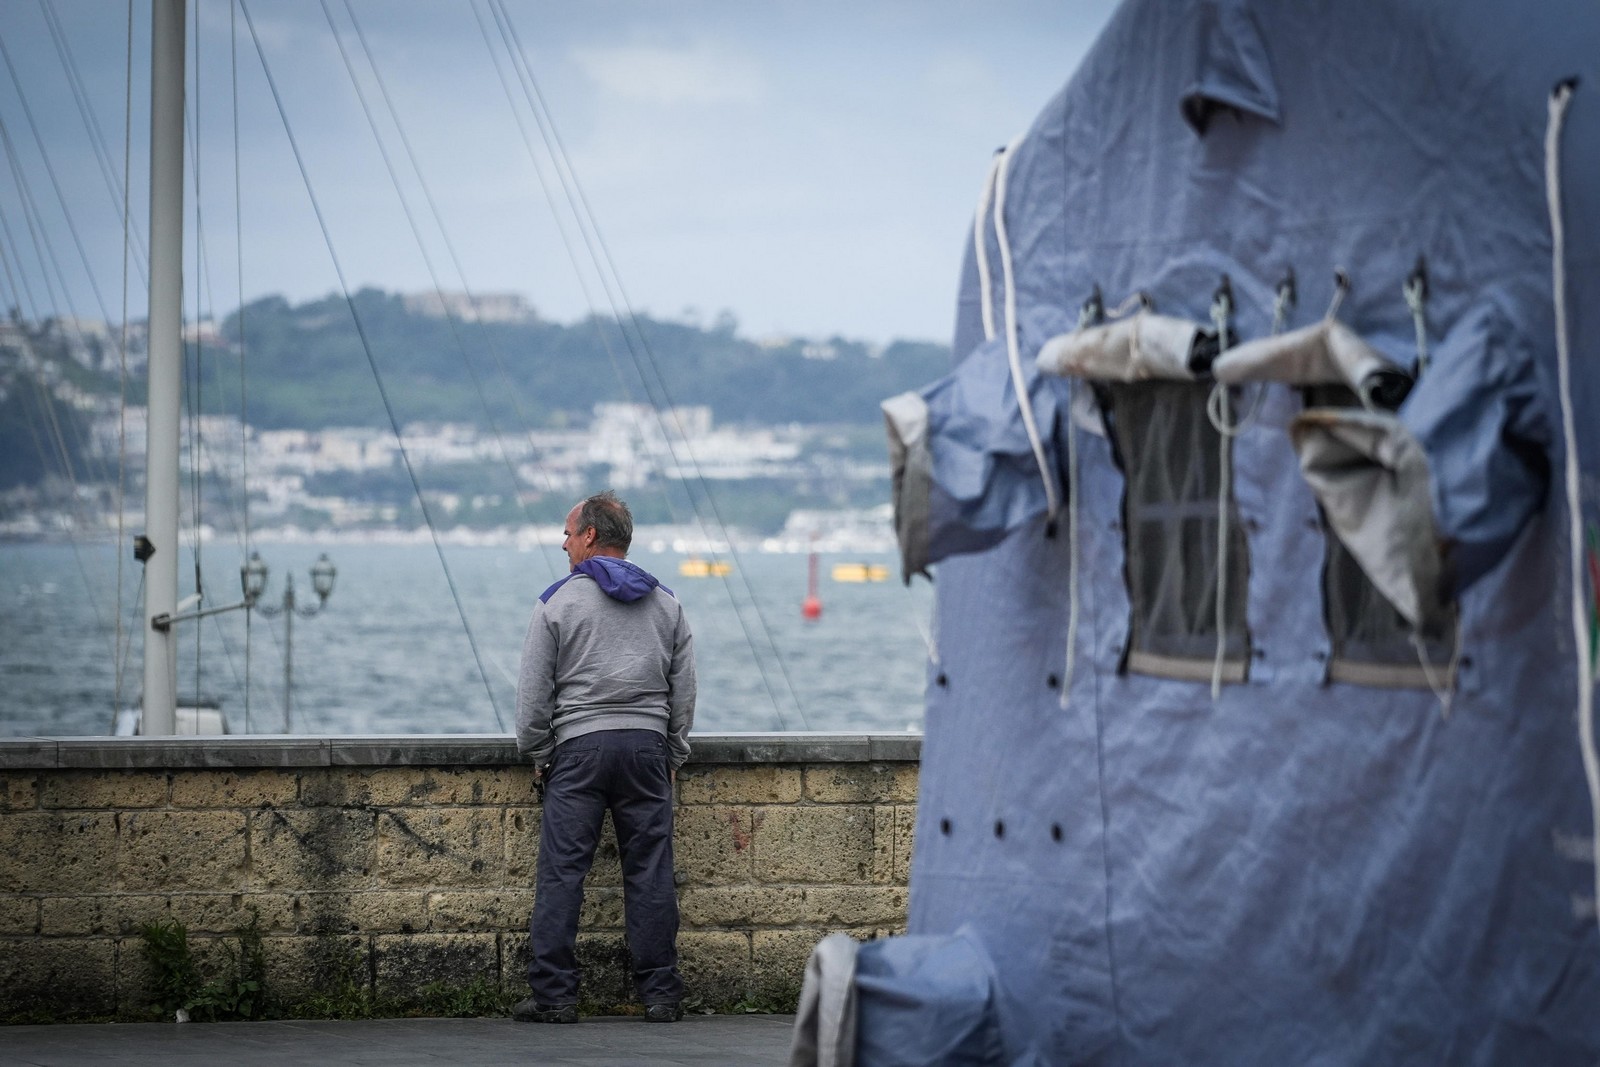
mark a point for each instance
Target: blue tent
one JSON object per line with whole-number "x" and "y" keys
{"x": 1263, "y": 620}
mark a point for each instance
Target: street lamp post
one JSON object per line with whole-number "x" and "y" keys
{"x": 253, "y": 578}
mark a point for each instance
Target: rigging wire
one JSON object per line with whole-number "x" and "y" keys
{"x": 578, "y": 271}
{"x": 611, "y": 278}
{"x": 122, "y": 360}
{"x": 372, "y": 362}
{"x": 416, "y": 231}
{"x": 46, "y": 400}
{"x": 116, "y": 187}
{"x": 194, "y": 398}
{"x": 43, "y": 248}
{"x": 244, "y": 396}
{"x": 512, "y": 392}
{"x": 1560, "y": 99}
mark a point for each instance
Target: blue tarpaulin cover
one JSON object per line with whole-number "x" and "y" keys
{"x": 1300, "y": 870}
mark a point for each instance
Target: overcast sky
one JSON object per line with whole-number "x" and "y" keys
{"x": 810, "y": 166}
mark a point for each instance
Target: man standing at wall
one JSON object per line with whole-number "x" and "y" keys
{"x": 604, "y": 706}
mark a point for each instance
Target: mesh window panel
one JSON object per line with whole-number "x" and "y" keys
{"x": 1370, "y": 641}
{"x": 1170, "y": 457}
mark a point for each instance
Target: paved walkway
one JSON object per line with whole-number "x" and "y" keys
{"x": 701, "y": 1040}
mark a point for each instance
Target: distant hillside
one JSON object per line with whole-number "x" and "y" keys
{"x": 306, "y": 368}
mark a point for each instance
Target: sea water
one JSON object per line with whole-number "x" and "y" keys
{"x": 392, "y": 652}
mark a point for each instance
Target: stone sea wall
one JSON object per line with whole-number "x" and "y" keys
{"x": 397, "y": 865}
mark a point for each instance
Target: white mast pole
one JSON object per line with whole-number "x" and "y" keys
{"x": 166, "y": 362}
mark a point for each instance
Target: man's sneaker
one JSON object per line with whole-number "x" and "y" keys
{"x": 531, "y": 1011}
{"x": 663, "y": 1013}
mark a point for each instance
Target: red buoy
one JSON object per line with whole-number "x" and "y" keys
{"x": 811, "y": 607}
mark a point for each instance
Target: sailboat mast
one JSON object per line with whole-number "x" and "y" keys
{"x": 166, "y": 362}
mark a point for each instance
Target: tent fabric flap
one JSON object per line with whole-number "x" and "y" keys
{"x": 1142, "y": 347}
{"x": 964, "y": 471}
{"x": 1371, "y": 478}
{"x": 1324, "y": 353}
{"x": 825, "y": 1020}
{"x": 927, "y": 998}
{"x": 1234, "y": 72}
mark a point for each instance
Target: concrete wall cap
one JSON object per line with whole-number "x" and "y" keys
{"x": 419, "y": 750}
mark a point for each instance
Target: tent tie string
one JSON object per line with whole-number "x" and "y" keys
{"x": 1221, "y": 311}
{"x": 1013, "y": 353}
{"x": 980, "y": 246}
{"x": 1089, "y": 314}
{"x": 1415, "y": 290}
{"x": 1560, "y": 98}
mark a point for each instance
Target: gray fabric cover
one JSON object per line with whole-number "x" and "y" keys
{"x": 1140, "y": 347}
{"x": 1371, "y": 478}
{"x": 1300, "y": 871}
{"x": 825, "y": 1018}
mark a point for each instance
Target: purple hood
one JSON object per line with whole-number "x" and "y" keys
{"x": 619, "y": 579}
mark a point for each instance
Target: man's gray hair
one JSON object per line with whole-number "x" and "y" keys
{"x": 611, "y": 519}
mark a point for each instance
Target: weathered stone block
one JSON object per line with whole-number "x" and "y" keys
{"x": 18, "y": 914}
{"x": 779, "y": 958}
{"x": 181, "y": 850}
{"x": 883, "y": 845}
{"x": 324, "y": 965}
{"x": 602, "y": 909}
{"x": 406, "y": 964}
{"x": 714, "y": 845}
{"x": 228, "y": 913}
{"x": 440, "y": 847}
{"x": 103, "y": 790}
{"x": 605, "y": 971}
{"x": 372, "y": 911}
{"x": 59, "y": 977}
{"x": 485, "y": 911}
{"x": 320, "y": 849}
{"x": 734, "y": 905}
{"x": 832, "y": 844}
{"x": 716, "y": 967}
{"x": 521, "y": 844}
{"x": 436, "y": 786}
{"x": 905, "y": 824}
{"x": 607, "y": 869}
{"x": 514, "y": 963}
{"x": 728, "y": 784}
{"x": 135, "y": 978}
{"x": 106, "y": 915}
{"x": 341, "y": 787}
{"x": 235, "y": 789}
{"x": 862, "y": 783}
{"x": 821, "y": 907}
{"x": 19, "y": 790}
{"x": 53, "y": 852}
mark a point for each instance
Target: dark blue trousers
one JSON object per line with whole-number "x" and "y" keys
{"x": 627, "y": 773}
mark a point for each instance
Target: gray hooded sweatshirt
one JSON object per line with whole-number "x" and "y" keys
{"x": 608, "y": 648}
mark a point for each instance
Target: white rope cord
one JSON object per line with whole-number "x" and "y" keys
{"x": 1341, "y": 286}
{"x": 1580, "y": 623}
{"x": 1086, "y": 315}
{"x": 1019, "y": 384}
{"x": 926, "y": 632}
{"x": 1221, "y": 308}
{"x": 1214, "y": 408}
{"x": 980, "y": 246}
{"x": 1442, "y": 688}
{"x": 1416, "y": 294}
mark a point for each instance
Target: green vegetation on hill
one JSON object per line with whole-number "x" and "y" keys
{"x": 307, "y": 368}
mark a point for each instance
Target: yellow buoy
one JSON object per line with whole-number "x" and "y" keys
{"x": 698, "y": 567}
{"x": 860, "y": 572}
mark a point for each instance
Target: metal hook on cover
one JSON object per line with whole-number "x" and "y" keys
{"x": 1287, "y": 295}
{"x": 1093, "y": 310}
{"x": 1415, "y": 290}
{"x": 1341, "y": 289}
